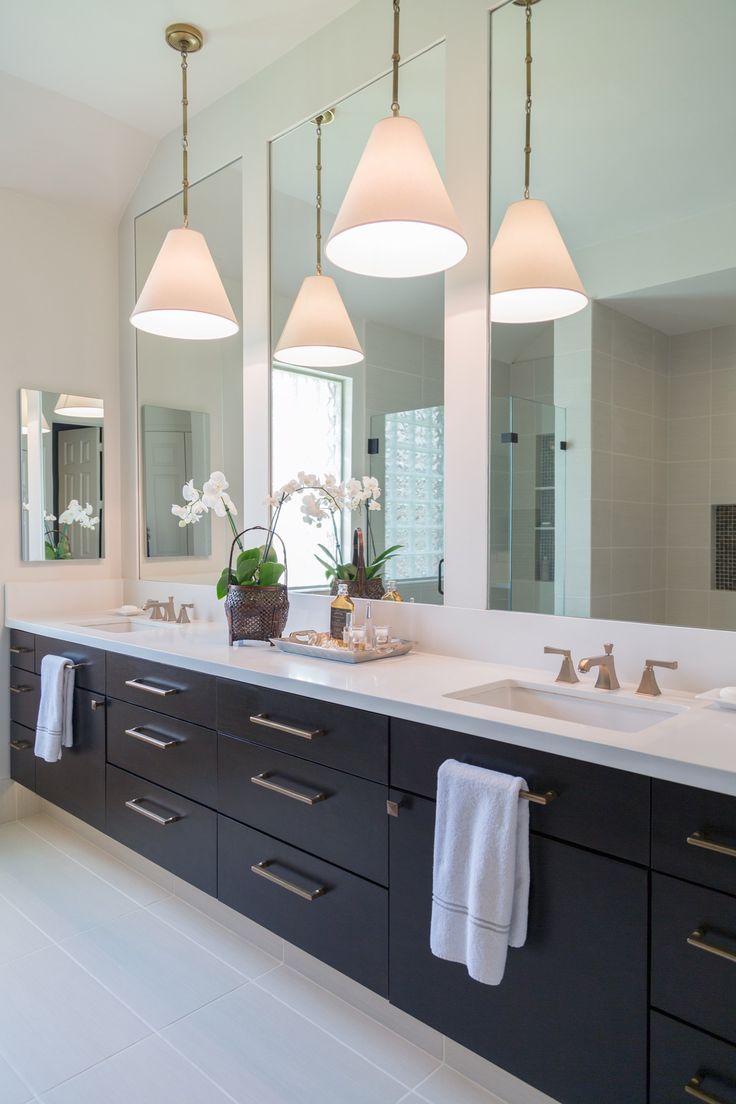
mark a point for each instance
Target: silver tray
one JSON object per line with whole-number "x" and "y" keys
{"x": 343, "y": 655}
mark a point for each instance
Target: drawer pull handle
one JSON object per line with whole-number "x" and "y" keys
{"x": 290, "y": 730}
{"x": 136, "y": 806}
{"x": 159, "y": 691}
{"x": 261, "y": 869}
{"x": 20, "y": 745}
{"x": 18, "y": 649}
{"x": 96, "y": 704}
{"x": 162, "y": 743}
{"x": 697, "y": 939}
{"x": 264, "y": 779}
{"x": 693, "y": 1089}
{"x": 538, "y": 798}
{"x": 21, "y": 689}
{"x": 699, "y": 839}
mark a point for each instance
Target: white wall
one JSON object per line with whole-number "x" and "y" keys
{"x": 58, "y": 320}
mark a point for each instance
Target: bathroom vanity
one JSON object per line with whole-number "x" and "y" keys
{"x": 300, "y": 797}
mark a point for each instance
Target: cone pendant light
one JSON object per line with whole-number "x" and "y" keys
{"x": 533, "y": 278}
{"x": 183, "y": 295}
{"x": 318, "y": 332}
{"x": 396, "y": 219}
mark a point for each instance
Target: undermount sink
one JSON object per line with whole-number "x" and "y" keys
{"x": 121, "y": 626}
{"x": 605, "y": 711}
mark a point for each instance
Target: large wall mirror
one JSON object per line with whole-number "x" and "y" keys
{"x": 383, "y": 417}
{"x": 190, "y": 395}
{"x": 614, "y": 431}
{"x": 61, "y": 472}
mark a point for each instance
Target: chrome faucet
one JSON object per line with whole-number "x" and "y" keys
{"x": 648, "y": 684}
{"x": 567, "y": 668}
{"x": 606, "y": 669}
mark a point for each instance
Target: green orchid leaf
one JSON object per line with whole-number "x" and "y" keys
{"x": 251, "y": 553}
{"x": 246, "y": 569}
{"x": 330, "y": 555}
{"x": 224, "y": 581}
{"x": 271, "y": 557}
{"x": 270, "y": 573}
{"x": 329, "y": 569}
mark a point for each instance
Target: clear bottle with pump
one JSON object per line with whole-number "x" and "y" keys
{"x": 341, "y": 612}
{"x": 370, "y": 637}
{"x": 392, "y": 594}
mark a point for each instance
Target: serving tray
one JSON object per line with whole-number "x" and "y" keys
{"x": 344, "y": 655}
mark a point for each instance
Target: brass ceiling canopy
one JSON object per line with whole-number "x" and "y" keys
{"x": 325, "y": 117}
{"x": 184, "y": 38}
{"x": 525, "y": 3}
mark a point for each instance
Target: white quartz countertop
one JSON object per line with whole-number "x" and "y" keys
{"x": 695, "y": 746}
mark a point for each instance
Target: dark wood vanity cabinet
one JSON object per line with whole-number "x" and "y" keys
{"x": 76, "y": 782}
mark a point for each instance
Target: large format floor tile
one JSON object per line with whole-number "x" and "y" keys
{"x": 404, "y": 1061}
{"x": 55, "y": 1020}
{"x": 150, "y": 1072}
{"x": 51, "y": 889}
{"x": 447, "y": 1087}
{"x": 233, "y": 949}
{"x": 155, "y": 970}
{"x": 12, "y": 1089}
{"x": 18, "y": 936}
{"x": 261, "y": 1052}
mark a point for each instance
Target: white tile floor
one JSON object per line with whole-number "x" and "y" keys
{"x": 113, "y": 990}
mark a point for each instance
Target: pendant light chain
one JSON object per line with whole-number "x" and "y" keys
{"x": 318, "y": 235}
{"x": 396, "y": 58}
{"x": 184, "y": 138}
{"x": 528, "y": 104}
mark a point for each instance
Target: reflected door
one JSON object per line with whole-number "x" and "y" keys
{"x": 80, "y": 477}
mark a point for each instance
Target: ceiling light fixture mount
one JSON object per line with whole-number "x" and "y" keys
{"x": 185, "y": 38}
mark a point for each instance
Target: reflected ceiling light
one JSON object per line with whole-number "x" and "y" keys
{"x": 45, "y": 428}
{"x": 318, "y": 332}
{"x": 79, "y": 406}
{"x": 533, "y": 278}
{"x": 183, "y": 295}
{"x": 396, "y": 219}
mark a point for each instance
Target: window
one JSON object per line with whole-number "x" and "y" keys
{"x": 414, "y": 490}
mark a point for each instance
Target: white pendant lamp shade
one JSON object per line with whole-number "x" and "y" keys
{"x": 396, "y": 219}
{"x": 318, "y": 332}
{"x": 79, "y": 406}
{"x": 533, "y": 278}
{"x": 183, "y": 295}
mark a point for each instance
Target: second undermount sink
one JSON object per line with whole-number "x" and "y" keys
{"x": 606, "y": 710}
{"x": 123, "y": 625}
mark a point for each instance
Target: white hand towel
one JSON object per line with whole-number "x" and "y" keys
{"x": 480, "y": 896}
{"x": 54, "y": 729}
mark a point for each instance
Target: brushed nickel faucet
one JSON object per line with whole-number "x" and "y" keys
{"x": 170, "y": 609}
{"x": 606, "y": 669}
{"x": 567, "y": 669}
{"x": 649, "y": 684}
{"x": 156, "y": 609}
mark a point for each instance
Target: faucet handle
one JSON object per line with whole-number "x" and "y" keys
{"x": 608, "y": 649}
{"x": 649, "y": 684}
{"x": 567, "y": 669}
{"x": 183, "y": 618}
{"x": 155, "y": 607}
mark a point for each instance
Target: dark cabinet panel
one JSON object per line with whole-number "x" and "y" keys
{"x": 334, "y": 815}
{"x": 570, "y": 1016}
{"x": 347, "y": 739}
{"x": 172, "y": 753}
{"x": 682, "y": 1056}
{"x": 77, "y": 781}
{"x": 90, "y": 673}
{"x": 22, "y": 650}
{"x": 598, "y": 807}
{"x": 340, "y": 918}
{"x": 22, "y": 758}
{"x": 689, "y": 980}
{"x": 25, "y": 694}
{"x": 188, "y": 695}
{"x": 172, "y": 831}
{"x": 694, "y": 834}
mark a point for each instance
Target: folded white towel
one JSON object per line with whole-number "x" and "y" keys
{"x": 54, "y": 729}
{"x": 480, "y": 896}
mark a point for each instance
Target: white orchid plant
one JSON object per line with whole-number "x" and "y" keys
{"x": 56, "y": 541}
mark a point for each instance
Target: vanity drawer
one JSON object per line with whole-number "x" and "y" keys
{"x": 682, "y": 1056}
{"x": 336, "y": 916}
{"x": 25, "y": 694}
{"x": 336, "y": 735}
{"x": 687, "y": 980}
{"x": 694, "y": 834}
{"x": 22, "y": 650}
{"x": 22, "y": 758}
{"x": 170, "y": 752}
{"x": 341, "y": 818}
{"x": 598, "y": 807}
{"x": 176, "y": 833}
{"x": 89, "y": 675}
{"x": 175, "y": 691}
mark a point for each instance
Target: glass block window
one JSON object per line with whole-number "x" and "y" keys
{"x": 307, "y": 435}
{"x": 414, "y": 490}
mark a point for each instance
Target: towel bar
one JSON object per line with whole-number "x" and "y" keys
{"x": 75, "y": 666}
{"x": 538, "y": 799}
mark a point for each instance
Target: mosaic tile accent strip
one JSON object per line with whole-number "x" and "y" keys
{"x": 723, "y": 544}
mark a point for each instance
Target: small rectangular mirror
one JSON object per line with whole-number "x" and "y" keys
{"x": 61, "y": 466}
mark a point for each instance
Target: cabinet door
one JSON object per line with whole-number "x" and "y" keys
{"x": 570, "y": 1016}
{"x": 77, "y": 781}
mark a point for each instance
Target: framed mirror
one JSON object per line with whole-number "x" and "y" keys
{"x": 613, "y": 431}
{"x": 62, "y": 472}
{"x": 190, "y": 395}
{"x": 383, "y": 417}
